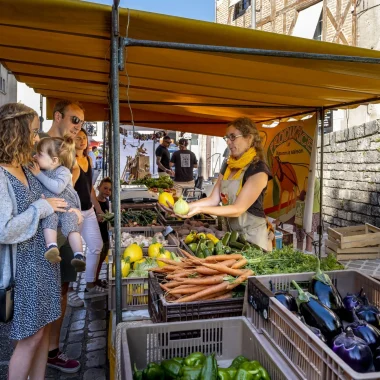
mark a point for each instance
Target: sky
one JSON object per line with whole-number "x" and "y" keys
{"x": 196, "y": 9}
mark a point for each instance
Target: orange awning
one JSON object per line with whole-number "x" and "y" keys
{"x": 61, "y": 48}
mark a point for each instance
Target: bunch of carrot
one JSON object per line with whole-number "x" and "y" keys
{"x": 193, "y": 279}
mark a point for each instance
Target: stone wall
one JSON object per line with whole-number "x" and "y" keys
{"x": 352, "y": 176}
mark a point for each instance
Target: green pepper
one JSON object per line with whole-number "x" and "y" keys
{"x": 137, "y": 375}
{"x": 223, "y": 374}
{"x": 234, "y": 237}
{"x": 199, "y": 253}
{"x": 252, "y": 371}
{"x": 226, "y": 238}
{"x": 210, "y": 369}
{"x": 178, "y": 359}
{"x": 153, "y": 372}
{"x": 238, "y": 361}
{"x": 219, "y": 248}
{"x": 227, "y": 250}
{"x": 191, "y": 373}
{"x": 207, "y": 252}
{"x": 262, "y": 373}
{"x": 193, "y": 247}
{"x": 195, "y": 359}
{"x": 210, "y": 245}
{"x": 171, "y": 368}
{"x": 232, "y": 372}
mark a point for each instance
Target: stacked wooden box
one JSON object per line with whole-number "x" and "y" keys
{"x": 360, "y": 242}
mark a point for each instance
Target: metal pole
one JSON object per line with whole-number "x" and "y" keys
{"x": 253, "y": 15}
{"x": 320, "y": 227}
{"x": 248, "y": 51}
{"x": 104, "y": 148}
{"x": 42, "y": 112}
{"x": 115, "y": 112}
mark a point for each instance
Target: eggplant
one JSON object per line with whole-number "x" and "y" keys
{"x": 376, "y": 359}
{"x": 316, "y": 331}
{"x": 353, "y": 351}
{"x": 318, "y": 315}
{"x": 350, "y": 302}
{"x": 287, "y": 300}
{"x": 370, "y": 334}
{"x": 322, "y": 287}
{"x": 368, "y": 313}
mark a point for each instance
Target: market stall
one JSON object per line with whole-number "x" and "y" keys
{"x": 195, "y": 76}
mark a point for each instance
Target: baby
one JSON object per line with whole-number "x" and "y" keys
{"x": 56, "y": 156}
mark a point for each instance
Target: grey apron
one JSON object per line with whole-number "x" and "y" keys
{"x": 252, "y": 227}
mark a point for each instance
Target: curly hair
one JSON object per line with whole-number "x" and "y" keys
{"x": 63, "y": 148}
{"x": 16, "y": 143}
{"x": 247, "y": 127}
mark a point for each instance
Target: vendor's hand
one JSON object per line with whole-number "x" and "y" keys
{"x": 168, "y": 208}
{"x": 58, "y": 204}
{"x": 193, "y": 210}
{"x": 78, "y": 213}
{"x": 34, "y": 168}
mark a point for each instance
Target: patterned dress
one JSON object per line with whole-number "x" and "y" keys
{"x": 37, "y": 282}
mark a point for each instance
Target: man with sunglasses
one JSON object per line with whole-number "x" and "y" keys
{"x": 68, "y": 118}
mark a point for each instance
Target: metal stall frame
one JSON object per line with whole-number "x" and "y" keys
{"x": 118, "y": 44}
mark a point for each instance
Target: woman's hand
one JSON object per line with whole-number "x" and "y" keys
{"x": 78, "y": 214}
{"x": 34, "y": 168}
{"x": 193, "y": 210}
{"x": 58, "y": 204}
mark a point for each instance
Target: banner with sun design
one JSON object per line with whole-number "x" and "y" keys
{"x": 287, "y": 148}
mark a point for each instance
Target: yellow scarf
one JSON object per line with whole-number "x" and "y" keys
{"x": 240, "y": 164}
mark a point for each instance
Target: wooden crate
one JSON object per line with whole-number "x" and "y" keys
{"x": 354, "y": 243}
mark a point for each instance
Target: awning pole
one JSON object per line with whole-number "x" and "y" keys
{"x": 104, "y": 148}
{"x": 320, "y": 227}
{"x": 128, "y": 42}
{"x": 115, "y": 112}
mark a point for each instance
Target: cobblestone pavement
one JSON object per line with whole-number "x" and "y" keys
{"x": 83, "y": 337}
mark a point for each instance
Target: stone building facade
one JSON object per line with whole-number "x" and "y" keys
{"x": 338, "y": 19}
{"x": 351, "y": 191}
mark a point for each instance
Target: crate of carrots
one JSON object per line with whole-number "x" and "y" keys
{"x": 193, "y": 288}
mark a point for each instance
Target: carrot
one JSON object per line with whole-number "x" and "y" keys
{"x": 224, "y": 296}
{"x": 208, "y": 291}
{"x": 186, "y": 254}
{"x": 228, "y": 263}
{"x": 240, "y": 264}
{"x": 173, "y": 284}
{"x": 236, "y": 256}
{"x": 213, "y": 296}
{"x": 240, "y": 279}
{"x": 171, "y": 262}
{"x": 190, "y": 290}
{"x": 167, "y": 290}
{"x": 210, "y": 280}
{"x": 157, "y": 270}
{"x": 206, "y": 271}
{"x": 224, "y": 269}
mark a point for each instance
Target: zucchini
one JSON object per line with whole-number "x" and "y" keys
{"x": 234, "y": 237}
{"x": 236, "y": 245}
{"x": 226, "y": 238}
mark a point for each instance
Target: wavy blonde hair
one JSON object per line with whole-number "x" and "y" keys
{"x": 62, "y": 148}
{"x": 16, "y": 143}
{"x": 247, "y": 127}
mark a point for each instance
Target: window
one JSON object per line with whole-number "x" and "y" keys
{"x": 309, "y": 22}
{"x": 240, "y": 8}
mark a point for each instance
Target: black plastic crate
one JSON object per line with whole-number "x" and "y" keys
{"x": 162, "y": 311}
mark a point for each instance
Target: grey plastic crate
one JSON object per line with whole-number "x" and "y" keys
{"x": 226, "y": 337}
{"x": 307, "y": 354}
{"x": 134, "y": 291}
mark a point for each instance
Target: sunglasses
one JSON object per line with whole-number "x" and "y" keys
{"x": 231, "y": 137}
{"x": 75, "y": 119}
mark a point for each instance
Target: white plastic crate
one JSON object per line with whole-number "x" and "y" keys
{"x": 226, "y": 337}
{"x": 305, "y": 352}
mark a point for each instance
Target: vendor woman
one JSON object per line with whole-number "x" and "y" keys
{"x": 241, "y": 184}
